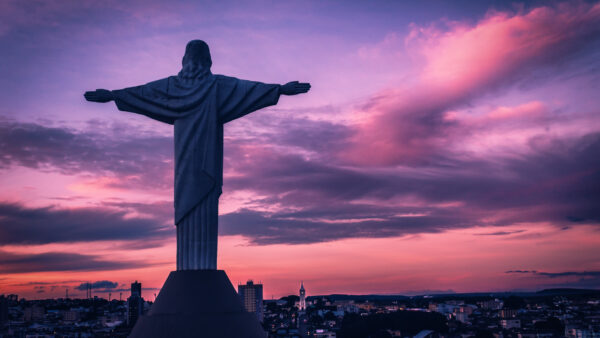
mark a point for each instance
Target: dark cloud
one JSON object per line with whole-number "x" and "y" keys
{"x": 321, "y": 138}
{"x": 557, "y": 274}
{"x": 161, "y": 211}
{"x": 289, "y": 172}
{"x": 557, "y": 181}
{"x": 46, "y": 283}
{"x": 566, "y": 279}
{"x": 554, "y": 171}
{"x": 136, "y": 161}
{"x": 21, "y": 225}
{"x": 501, "y": 233}
{"x": 59, "y": 261}
{"x": 124, "y": 290}
{"x": 274, "y": 228}
{"x": 521, "y": 271}
{"x": 569, "y": 273}
{"x": 102, "y": 284}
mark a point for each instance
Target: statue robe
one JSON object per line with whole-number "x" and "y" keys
{"x": 198, "y": 106}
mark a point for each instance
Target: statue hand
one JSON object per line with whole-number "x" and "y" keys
{"x": 99, "y": 95}
{"x": 295, "y": 87}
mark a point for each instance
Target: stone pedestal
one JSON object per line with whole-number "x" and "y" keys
{"x": 198, "y": 303}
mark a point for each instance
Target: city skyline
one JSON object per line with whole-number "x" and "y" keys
{"x": 444, "y": 147}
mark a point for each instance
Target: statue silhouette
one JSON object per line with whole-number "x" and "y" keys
{"x": 198, "y": 104}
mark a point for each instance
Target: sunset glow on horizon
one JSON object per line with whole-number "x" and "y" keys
{"x": 443, "y": 147}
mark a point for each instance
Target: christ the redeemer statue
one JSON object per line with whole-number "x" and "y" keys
{"x": 198, "y": 103}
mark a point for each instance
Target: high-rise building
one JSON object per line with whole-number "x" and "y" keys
{"x": 3, "y": 310}
{"x": 252, "y": 297}
{"x": 136, "y": 288}
{"x": 135, "y": 303}
{"x": 302, "y": 304}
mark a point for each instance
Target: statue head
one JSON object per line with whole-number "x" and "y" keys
{"x": 197, "y": 52}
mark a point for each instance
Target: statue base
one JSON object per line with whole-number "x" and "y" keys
{"x": 198, "y": 303}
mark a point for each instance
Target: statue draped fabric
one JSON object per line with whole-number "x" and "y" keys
{"x": 197, "y": 103}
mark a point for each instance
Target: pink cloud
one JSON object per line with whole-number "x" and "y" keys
{"x": 408, "y": 125}
{"x": 502, "y": 45}
{"x": 529, "y": 109}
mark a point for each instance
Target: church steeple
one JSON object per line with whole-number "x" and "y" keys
{"x": 302, "y": 304}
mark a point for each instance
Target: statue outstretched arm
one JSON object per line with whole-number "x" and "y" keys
{"x": 236, "y": 98}
{"x": 139, "y": 100}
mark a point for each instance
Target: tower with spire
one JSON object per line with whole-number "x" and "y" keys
{"x": 302, "y": 304}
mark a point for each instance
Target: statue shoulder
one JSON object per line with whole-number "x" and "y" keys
{"x": 161, "y": 84}
{"x": 225, "y": 79}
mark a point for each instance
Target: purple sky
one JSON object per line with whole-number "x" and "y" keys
{"x": 464, "y": 130}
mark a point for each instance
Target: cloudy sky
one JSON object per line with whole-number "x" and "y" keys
{"x": 444, "y": 146}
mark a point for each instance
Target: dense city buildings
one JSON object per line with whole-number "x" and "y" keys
{"x": 252, "y": 297}
{"x": 65, "y": 317}
{"x": 549, "y": 313}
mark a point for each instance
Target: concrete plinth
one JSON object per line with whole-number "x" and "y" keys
{"x": 198, "y": 303}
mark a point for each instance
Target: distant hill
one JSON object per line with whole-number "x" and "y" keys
{"x": 566, "y": 291}
{"x": 361, "y": 298}
{"x": 542, "y": 293}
